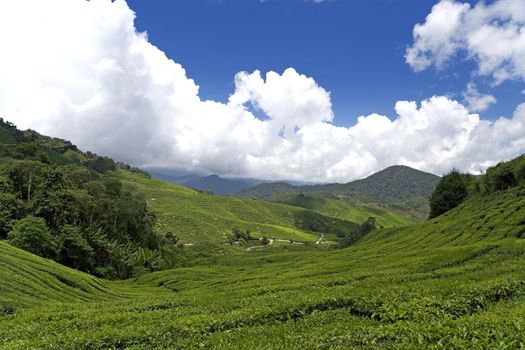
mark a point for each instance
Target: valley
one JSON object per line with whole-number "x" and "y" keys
{"x": 454, "y": 281}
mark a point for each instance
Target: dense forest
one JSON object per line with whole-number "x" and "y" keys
{"x": 70, "y": 206}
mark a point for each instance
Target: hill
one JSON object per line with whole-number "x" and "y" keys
{"x": 397, "y": 187}
{"x": 196, "y": 217}
{"x": 355, "y": 212}
{"x": 456, "y": 281}
{"x": 218, "y": 185}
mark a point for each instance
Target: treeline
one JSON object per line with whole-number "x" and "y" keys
{"x": 69, "y": 206}
{"x": 455, "y": 187}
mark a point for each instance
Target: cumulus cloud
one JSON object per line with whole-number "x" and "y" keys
{"x": 79, "y": 70}
{"x": 475, "y": 100}
{"x": 491, "y": 34}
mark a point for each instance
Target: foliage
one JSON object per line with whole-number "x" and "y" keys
{"x": 239, "y": 235}
{"x": 366, "y": 227}
{"x": 442, "y": 284}
{"x": 85, "y": 208}
{"x": 32, "y": 234}
{"x": 449, "y": 193}
{"x": 500, "y": 178}
{"x": 73, "y": 249}
{"x": 11, "y": 208}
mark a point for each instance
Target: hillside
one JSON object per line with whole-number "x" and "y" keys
{"x": 456, "y": 281}
{"x": 28, "y": 280}
{"x": 397, "y": 187}
{"x": 355, "y": 212}
{"x": 196, "y": 217}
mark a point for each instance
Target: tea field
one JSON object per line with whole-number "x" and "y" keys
{"x": 454, "y": 282}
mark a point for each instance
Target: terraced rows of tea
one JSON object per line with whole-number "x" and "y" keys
{"x": 456, "y": 281}
{"x": 197, "y": 217}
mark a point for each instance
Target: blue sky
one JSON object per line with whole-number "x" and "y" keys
{"x": 353, "y": 48}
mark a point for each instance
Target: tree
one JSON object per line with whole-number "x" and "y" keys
{"x": 500, "y": 178}
{"x": 11, "y": 209}
{"x": 450, "y": 191}
{"x": 53, "y": 202}
{"x": 238, "y": 234}
{"x": 145, "y": 260}
{"x": 368, "y": 226}
{"x": 32, "y": 234}
{"x": 264, "y": 240}
{"x": 73, "y": 249}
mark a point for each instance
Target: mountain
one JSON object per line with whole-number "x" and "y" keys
{"x": 218, "y": 185}
{"x": 393, "y": 184}
{"x": 214, "y": 183}
{"x": 201, "y": 218}
{"x": 397, "y": 186}
{"x": 177, "y": 180}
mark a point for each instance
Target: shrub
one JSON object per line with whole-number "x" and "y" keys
{"x": 32, "y": 234}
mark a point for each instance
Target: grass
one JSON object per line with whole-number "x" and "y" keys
{"x": 453, "y": 282}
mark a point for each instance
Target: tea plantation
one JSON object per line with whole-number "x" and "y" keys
{"x": 453, "y": 282}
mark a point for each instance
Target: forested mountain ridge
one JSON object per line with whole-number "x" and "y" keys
{"x": 397, "y": 187}
{"x": 394, "y": 184}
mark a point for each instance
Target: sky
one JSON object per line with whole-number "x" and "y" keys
{"x": 353, "y": 48}
{"x": 306, "y": 90}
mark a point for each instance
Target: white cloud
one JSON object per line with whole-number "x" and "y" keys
{"x": 491, "y": 34}
{"x": 475, "y": 100}
{"x": 79, "y": 70}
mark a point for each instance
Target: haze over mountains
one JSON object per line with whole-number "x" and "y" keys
{"x": 214, "y": 183}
